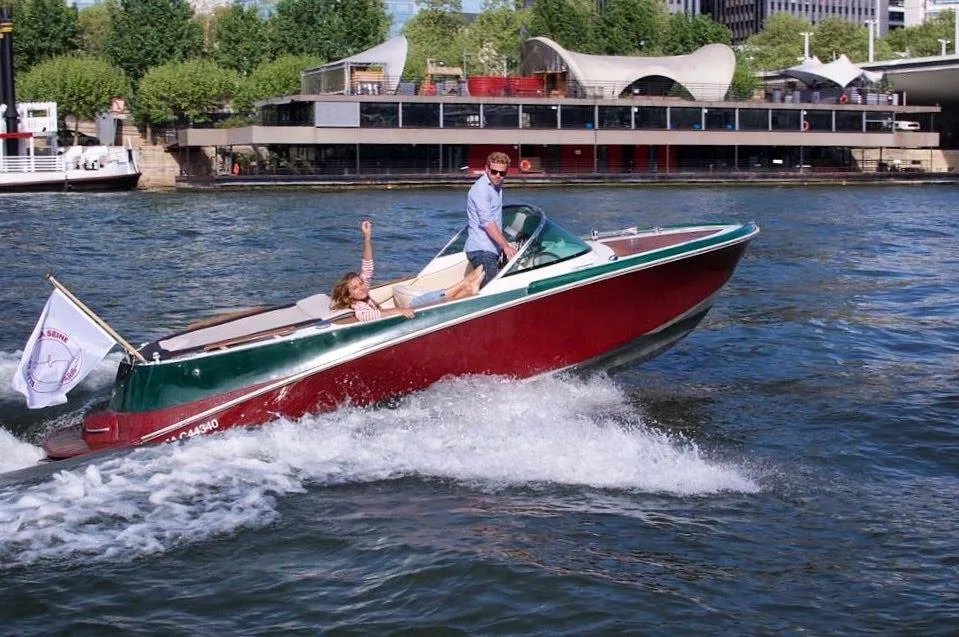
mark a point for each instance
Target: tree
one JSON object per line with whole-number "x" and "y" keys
{"x": 364, "y": 24}
{"x": 183, "y": 92}
{"x": 82, "y": 87}
{"x": 436, "y": 34}
{"x": 148, "y": 33}
{"x": 569, "y": 23}
{"x": 331, "y": 29}
{"x": 273, "y": 79}
{"x": 922, "y": 40}
{"x": 686, "y": 34}
{"x": 632, "y": 27}
{"x": 494, "y": 34}
{"x": 779, "y": 45}
{"x": 744, "y": 80}
{"x": 44, "y": 29}
{"x": 209, "y": 23}
{"x": 94, "y": 22}
{"x": 239, "y": 40}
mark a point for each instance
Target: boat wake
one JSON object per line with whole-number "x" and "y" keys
{"x": 484, "y": 433}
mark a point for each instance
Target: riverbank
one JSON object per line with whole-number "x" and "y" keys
{"x": 387, "y": 182}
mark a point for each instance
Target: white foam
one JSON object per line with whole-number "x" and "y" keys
{"x": 485, "y": 433}
{"x": 17, "y": 454}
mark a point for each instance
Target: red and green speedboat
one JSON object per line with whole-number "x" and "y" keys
{"x": 562, "y": 303}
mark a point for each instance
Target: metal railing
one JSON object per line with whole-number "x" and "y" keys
{"x": 35, "y": 164}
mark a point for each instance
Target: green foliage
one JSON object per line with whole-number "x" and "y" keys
{"x": 744, "y": 80}
{"x": 149, "y": 33}
{"x": 495, "y": 33}
{"x": 569, "y": 23}
{"x": 239, "y": 40}
{"x": 82, "y": 87}
{"x": 780, "y": 44}
{"x": 434, "y": 34}
{"x": 834, "y": 37}
{"x": 43, "y": 29}
{"x": 330, "y": 29}
{"x": 273, "y": 79}
{"x": 208, "y": 24}
{"x": 94, "y": 22}
{"x": 363, "y": 25}
{"x": 632, "y": 27}
{"x": 923, "y": 40}
{"x": 685, "y": 34}
{"x": 184, "y": 92}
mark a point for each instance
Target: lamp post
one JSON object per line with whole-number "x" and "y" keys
{"x": 942, "y": 46}
{"x": 872, "y": 40}
{"x": 805, "y": 48}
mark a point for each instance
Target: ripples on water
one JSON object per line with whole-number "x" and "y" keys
{"x": 790, "y": 467}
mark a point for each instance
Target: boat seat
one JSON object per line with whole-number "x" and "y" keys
{"x": 311, "y": 309}
{"x": 404, "y": 293}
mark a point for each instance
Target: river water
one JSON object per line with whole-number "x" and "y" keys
{"x": 790, "y": 468}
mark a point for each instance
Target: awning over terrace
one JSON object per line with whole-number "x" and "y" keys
{"x": 706, "y": 73}
{"x": 336, "y": 77}
{"x": 840, "y": 72}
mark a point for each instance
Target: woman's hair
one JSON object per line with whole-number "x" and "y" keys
{"x": 341, "y": 292}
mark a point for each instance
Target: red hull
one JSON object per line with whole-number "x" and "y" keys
{"x": 559, "y": 330}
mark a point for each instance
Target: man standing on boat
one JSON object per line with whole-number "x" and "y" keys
{"x": 485, "y": 241}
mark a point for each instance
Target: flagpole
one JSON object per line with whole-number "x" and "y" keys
{"x": 96, "y": 319}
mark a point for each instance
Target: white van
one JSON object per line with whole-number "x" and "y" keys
{"x": 906, "y": 125}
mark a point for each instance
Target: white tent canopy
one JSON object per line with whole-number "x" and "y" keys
{"x": 840, "y": 72}
{"x": 390, "y": 55}
{"x": 706, "y": 73}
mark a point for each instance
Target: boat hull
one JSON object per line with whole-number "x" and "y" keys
{"x": 52, "y": 182}
{"x": 601, "y": 322}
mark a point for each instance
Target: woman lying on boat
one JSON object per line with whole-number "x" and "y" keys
{"x": 352, "y": 291}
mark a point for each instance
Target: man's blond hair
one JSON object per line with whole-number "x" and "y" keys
{"x": 497, "y": 158}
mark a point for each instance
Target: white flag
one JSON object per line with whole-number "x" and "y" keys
{"x": 65, "y": 346}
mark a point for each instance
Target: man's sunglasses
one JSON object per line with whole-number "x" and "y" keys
{"x": 501, "y": 173}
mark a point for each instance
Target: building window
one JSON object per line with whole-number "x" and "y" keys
{"x": 720, "y": 119}
{"x": 418, "y": 115}
{"x": 461, "y": 115}
{"x": 379, "y": 115}
{"x": 650, "y": 118}
{"x": 876, "y": 122}
{"x": 613, "y": 117}
{"x": 819, "y": 120}
{"x": 754, "y": 119}
{"x": 500, "y": 116}
{"x": 540, "y": 116}
{"x": 785, "y": 120}
{"x": 686, "y": 118}
{"x": 577, "y": 117}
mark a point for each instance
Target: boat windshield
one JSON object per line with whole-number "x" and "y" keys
{"x": 550, "y": 244}
{"x": 519, "y": 224}
{"x": 539, "y": 241}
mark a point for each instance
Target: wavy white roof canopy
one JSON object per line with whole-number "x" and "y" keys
{"x": 840, "y": 71}
{"x": 391, "y": 54}
{"x": 705, "y": 73}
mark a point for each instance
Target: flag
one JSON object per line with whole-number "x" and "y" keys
{"x": 64, "y": 347}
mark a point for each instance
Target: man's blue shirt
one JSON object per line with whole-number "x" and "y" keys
{"x": 484, "y": 204}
